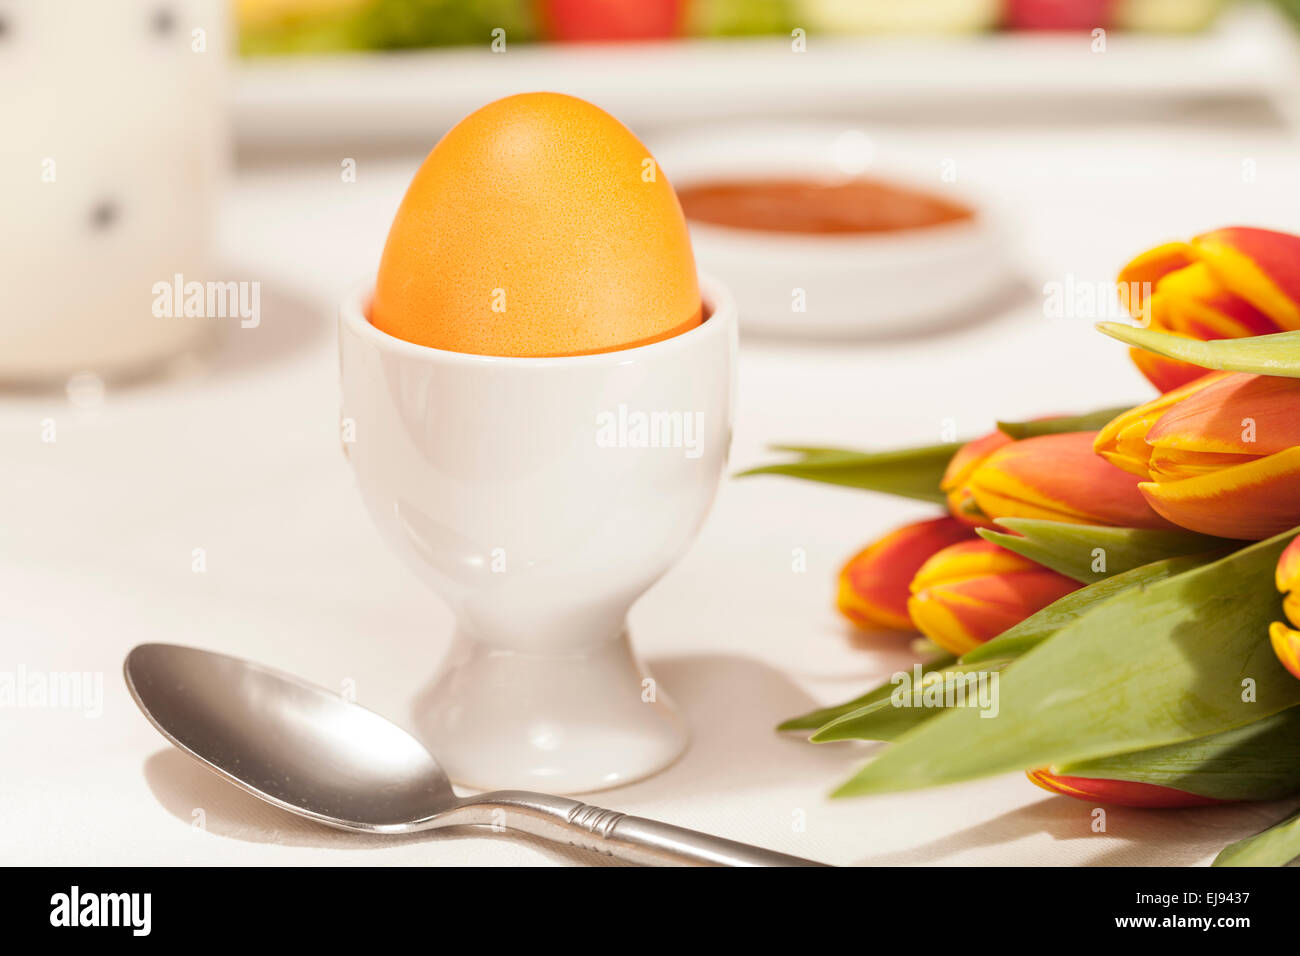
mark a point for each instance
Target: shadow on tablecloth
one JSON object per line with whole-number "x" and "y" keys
{"x": 192, "y": 794}
{"x": 289, "y": 322}
{"x": 733, "y": 704}
{"x": 1133, "y": 837}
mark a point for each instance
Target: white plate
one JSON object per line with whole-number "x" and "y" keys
{"x": 351, "y": 100}
{"x": 839, "y": 285}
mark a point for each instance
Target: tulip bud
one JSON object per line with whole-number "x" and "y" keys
{"x": 873, "y": 585}
{"x": 1285, "y": 641}
{"x": 1059, "y": 478}
{"x": 956, "y": 478}
{"x": 972, "y": 591}
{"x": 1230, "y": 283}
{"x": 1221, "y": 455}
{"x": 1120, "y": 793}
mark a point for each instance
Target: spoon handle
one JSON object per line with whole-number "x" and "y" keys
{"x": 633, "y": 839}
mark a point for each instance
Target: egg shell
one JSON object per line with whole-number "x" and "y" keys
{"x": 538, "y": 226}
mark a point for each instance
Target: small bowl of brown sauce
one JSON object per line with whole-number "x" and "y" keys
{"x": 819, "y": 231}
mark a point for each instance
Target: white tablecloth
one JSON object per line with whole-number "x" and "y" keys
{"x": 240, "y": 456}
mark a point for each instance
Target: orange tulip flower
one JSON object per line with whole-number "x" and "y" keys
{"x": 873, "y": 586}
{"x": 1220, "y": 455}
{"x": 1120, "y": 793}
{"x": 956, "y": 478}
{"x": 1226, "y": 284}
{"x": 1059, "y": 478}
{"x": 972, "y": 591}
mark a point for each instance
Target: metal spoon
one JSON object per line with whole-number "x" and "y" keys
{"x": 311, "y": 752}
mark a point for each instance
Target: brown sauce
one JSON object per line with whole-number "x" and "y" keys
{"x": 819, "y": 208}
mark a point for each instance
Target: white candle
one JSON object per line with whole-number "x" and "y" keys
{"x": 114, "y": 117}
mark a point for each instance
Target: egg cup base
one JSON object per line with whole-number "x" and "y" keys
{"x": 570, "y": 722}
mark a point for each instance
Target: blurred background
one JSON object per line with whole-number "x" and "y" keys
{"x": 705, "y": 59}
{"x": 165, "y": 137}
{"x": 317, "y": 70}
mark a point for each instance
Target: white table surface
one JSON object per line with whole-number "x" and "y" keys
{"x": 239, "y": 456}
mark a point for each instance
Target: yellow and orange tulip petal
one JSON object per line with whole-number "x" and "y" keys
{"x": 1288, "y": 570}
{"x": 1285, "y": 641}
{"x": 1286, "y": 645}
{"x": 1123, "y": 440}
{"x": 1259, "y": 265}
{"x": 1060, "y": 478}
{"x": 1164, "y": 373}
{"x": 1147, "y": 269}
{"x": 972, "y": 591}
{"x": 1287, "y": 577}
{"x": 1120, "y": 793}
{"x": 1192, "y": 302}
{"x": 873, "y": 585}
{"x": 1221, "y": 455}
{"x": 963, "y": 464}
{"x": 1250, "y": 501}
{"x": 1238, "y": 414}
{"x": 1229, "y": 283}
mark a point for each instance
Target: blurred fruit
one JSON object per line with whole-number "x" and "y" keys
{"x": 274, "y": 27}
{"x": 1058, "y": 14}
{"x": 1166, "y": 16}
{"x": 402, "y": 24}
{"x": 257, "y": 12}
{"x": 740, "y": 17}
{"x": 900, "y": 16}
{"x": 597, "y": 20}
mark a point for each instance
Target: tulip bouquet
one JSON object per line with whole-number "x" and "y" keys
{"x": 1122, "y": 578}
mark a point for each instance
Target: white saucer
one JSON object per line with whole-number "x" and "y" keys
{"x": 851, "y": 285}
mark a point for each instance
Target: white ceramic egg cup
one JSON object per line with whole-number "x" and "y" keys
{"x": 525, "y": 492}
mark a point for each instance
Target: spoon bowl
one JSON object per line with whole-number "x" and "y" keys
{"x": 287, "y": 741}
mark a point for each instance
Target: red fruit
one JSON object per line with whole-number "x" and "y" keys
{"x": 596, "y": 20}
{"x": 1058, "y": 14}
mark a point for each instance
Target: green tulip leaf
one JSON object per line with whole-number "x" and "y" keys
{"x": 1088, "y": 552}
{"x": 1277, "y": 354}
{"x": 1008, "y": 645}
{"x": 890, "y": 716}
{"x": 824, "y": 715}
{"x": 1254, "y": 762}
{"x": 872, "y": 718}
{"x": 1178, "y": 659}
{"x": 1038, "y": 627}
{"x": 1087, "y": 422}
{"x": 923, "y": 647}
{"x": 1276, "y": 846}
{"x": 908, "y": 473}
